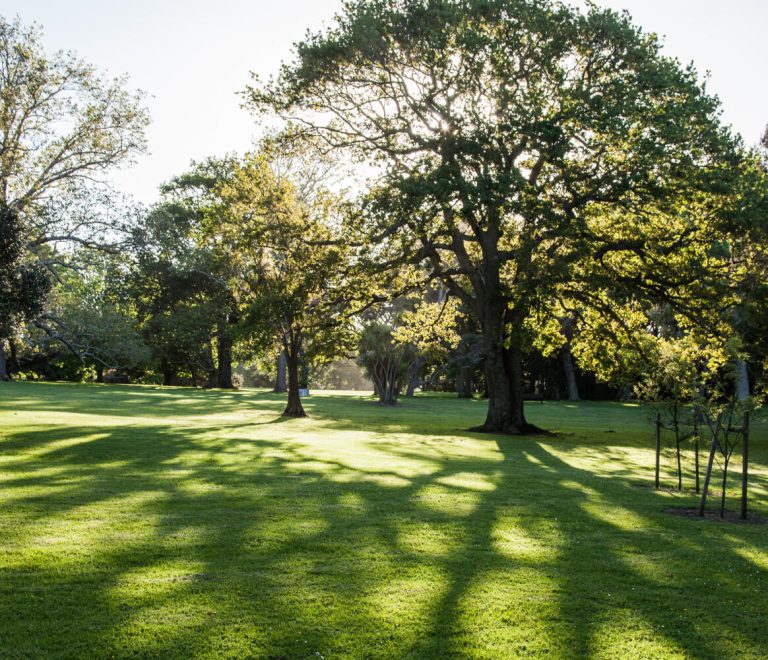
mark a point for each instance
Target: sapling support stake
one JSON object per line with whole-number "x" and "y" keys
{"x": 658, "y": 446}
{"x": 744, "y": 465}
{"x": 708, "y": 474}
{"x": 696, "y": 451}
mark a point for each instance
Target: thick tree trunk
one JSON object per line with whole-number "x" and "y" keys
{"x": 12, "y": 361}
{"x": 414, "y": 371}
{"x": 412, "y": 383}
{"x": 211, "y": 373}
{"x": 294, "y": 407}
{"x": 570, "y": 373}
{"x": 281, "y": 382}
{"x": 169, "y": 373}
{"x": 504, "y": 378}
{"x": 386, "y": 386}
{"x": 4, "y": 375}
{"x": 224, "y": 370}
{"x": 99, "y": 373}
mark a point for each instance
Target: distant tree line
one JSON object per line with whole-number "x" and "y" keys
{"x": 504, "y": 198}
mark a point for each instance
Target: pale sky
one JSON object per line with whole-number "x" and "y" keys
{"x": 193, "y": 56}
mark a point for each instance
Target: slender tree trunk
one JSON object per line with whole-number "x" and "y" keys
{"x": 464, "y": 382}
{"x": 303, "y": 372}
{"x": 742, "y": 380}
{"x": 224, "y": 370}
{"x": 281, "y": 382}
{"x": 696, "y": 460}
{"x": 294, "y": 407}
{"x": 725, "y": 482}
{"x": 99, "y": 373}
{"x": 210, "y": 371}
{"x": 3, "y": 362}
{"x": 658, "y": 449}
{"x": 697, "y": 443}
{"x": 744, "y": 465}
{"x": 677, "y": 448}
{"x": 570, "y": 373}
{"x": 708, "y": 473}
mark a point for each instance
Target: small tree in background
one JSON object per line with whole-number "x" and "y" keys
{"x": 290, "y": 271}
{"x": 672, "y": 384}
{"x": 386, "y": 361}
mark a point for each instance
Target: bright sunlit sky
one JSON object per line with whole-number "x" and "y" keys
{"x": 192, "y": 56}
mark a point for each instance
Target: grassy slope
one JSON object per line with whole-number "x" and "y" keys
{"x": 151, "y": 521}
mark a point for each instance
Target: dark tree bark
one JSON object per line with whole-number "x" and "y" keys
{"x": 725, "y": 485}
{"x": 696, "y": 462}
{"x": 294, "y": 407}
{"x": 169, "y": 372}
{"x": 570, "y": 373}
{"x": 503, "y": 372}
{"x": 464, "y": 382}
{"x": 742, "y": 380}
{"x": 99, "y": 373}
{"x": 386, "y": 385}
{"x": 539, "y": 166}
{"x": 745, "y": 463}
{"x": 14, "y": 367}
{"x": 281, "y": 382}
{"x": 413, "y": 376}
{"x": 4, "y": 375}
{"x": 224, "y": 370}
{"x": 211, "y": 379}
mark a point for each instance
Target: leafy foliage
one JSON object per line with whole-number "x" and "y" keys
{"x": 289, "y": 267}
{"x": 23, "y": 286}
{"x": 539, "y": 160}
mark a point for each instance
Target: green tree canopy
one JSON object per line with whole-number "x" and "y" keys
{"x": 289, "y": 266}
{"x": 63, "y": 127}
{"x": 537, "y": 158}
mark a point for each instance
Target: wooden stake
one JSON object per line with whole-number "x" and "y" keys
{"x": 744, "y": 465}
{"x": 708, "y": 474}
{"x": 658, "y": 446}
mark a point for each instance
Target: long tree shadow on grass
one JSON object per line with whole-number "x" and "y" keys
{"x": 128, "y": 400}
{"x": 208, "y": 544}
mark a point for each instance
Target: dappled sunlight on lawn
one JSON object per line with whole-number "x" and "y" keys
{"x": 350, "y": 533}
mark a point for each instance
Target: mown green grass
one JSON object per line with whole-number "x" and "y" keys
{"x": 141, "y": 521}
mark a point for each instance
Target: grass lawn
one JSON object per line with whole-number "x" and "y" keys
{"x": 147, "y": 521}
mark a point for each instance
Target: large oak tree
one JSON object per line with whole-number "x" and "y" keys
{"x": 537, "y": 158}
